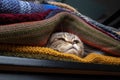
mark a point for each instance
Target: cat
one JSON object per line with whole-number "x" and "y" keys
{"x": 66, "y": 43}
{"x": 70, "y": 43}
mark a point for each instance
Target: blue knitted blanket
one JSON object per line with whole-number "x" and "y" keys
{"x": 19, "y": 6}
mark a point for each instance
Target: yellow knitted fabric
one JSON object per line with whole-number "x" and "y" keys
{"x": 63, "y": 5}
{"x": 118, "y": 33}
{"x": 50, "y": 54}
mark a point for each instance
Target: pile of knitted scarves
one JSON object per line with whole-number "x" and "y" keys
{"x": 25, "y": 28}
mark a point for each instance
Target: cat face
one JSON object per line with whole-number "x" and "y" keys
{"x": 66, "y": 43}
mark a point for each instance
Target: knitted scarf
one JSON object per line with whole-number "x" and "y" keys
{"x": 17, "y": 18}
{"x": 37, "y": 33}
{"x": 107, "y": 29}
{"x": 18, "y": 6}
{"x": 50, "y": 54}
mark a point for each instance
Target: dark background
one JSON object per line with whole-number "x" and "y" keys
{"x": 95, "y": 8}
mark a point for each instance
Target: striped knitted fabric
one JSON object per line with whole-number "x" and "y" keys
{"x": 109, "y": 30}
{"x": 17, "y": 18}
{"x": 37, "y": 33}
{"x": 54, "y": 12}
{"x": 50, "y": 54}
{"x": 18, "y": 6}
{"x": 105, "y": 29}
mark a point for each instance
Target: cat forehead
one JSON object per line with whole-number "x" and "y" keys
{"x": 65, "y": 35}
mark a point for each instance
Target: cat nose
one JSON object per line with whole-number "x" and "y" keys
{"x": 73, "y": 42}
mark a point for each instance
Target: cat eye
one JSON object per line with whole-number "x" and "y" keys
{"x": 76, "y": 41}
{"x": 61, "y": 39}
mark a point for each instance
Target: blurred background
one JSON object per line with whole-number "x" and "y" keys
{"x": 103, "y": 11}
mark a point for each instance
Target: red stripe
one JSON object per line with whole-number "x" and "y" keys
{"x": 91, "y": 25}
